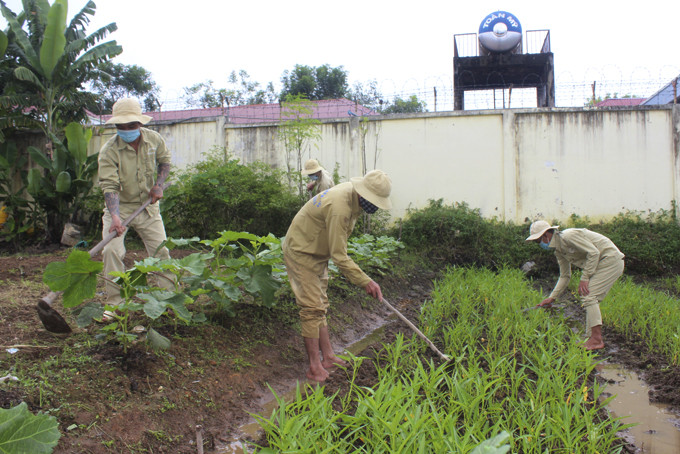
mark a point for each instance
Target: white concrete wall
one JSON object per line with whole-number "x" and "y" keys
{"x": 187, "y": 141}
{"x": 515, "y": 165}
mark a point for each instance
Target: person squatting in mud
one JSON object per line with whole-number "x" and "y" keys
{"x": 319, "y": 232}
{"x": 598, "y": 257}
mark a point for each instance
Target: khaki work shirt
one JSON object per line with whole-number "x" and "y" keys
{"x": 582, "y": 248}
{"x": 321, "y": 228}
{"x": 130, "y": 173}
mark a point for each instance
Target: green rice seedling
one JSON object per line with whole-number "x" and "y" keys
{"x": 511, "y": 372}
{"x": 640, "y": 312}
{"x": 308, "y": 424}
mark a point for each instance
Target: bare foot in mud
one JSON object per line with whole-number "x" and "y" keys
{"x": 333, "y": 361}
{"x": 593, "y": 345}
{"x": 317, "y": 374}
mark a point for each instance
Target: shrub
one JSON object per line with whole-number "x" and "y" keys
{"x": 650, "y": 241}
{"x": 459, "y": 234}
{"x": 221, "y": 194}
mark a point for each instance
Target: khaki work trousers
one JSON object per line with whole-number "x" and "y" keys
{"x": 309, "y": 280}
{"x": 608, "y": 271}
{"x": 151, "y": 230}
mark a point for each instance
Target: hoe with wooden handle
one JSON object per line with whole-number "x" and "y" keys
{"x": 50, "y": 318}
{"x": 416, "y": 330}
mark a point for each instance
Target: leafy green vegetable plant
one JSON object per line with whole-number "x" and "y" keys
{"x": 21, "y": 431}
{"x": 641, "y": 312}
{"x": 241, "y": 264}
{"x": 372, "y": 254}
{"x": 230, "y": 269}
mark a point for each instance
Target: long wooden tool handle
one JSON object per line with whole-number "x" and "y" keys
{"x": 416, "y": 330}
{"x": 111, "y": 235}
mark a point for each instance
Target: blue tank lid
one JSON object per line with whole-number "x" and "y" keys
{"x": 502, "y": 17}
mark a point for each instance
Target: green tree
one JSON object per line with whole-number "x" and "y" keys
{"x": 241, "y": 91}
{"x": 204, "y": 95}
{"x": 111, "y": 82}
{"x": 399, "y": 105}
{"x": 315, "y": 83}
{"x": 50, "y": 62}
{"x": 298, "y": 132}
{"x": 367, "y": 95}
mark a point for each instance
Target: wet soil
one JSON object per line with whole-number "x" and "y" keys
{"x": 203, "y": 388}
{"x": 214, "y": 375}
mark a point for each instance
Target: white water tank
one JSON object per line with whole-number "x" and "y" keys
{"x": 500, "y": 32}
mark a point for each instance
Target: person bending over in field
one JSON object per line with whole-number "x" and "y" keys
{"x": 598, "y": 257}
{"x": 318, "y": 233}
{"x": 319, "y": 178}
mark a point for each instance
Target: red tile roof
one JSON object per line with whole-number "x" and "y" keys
{"x": 620, "y": 102}
{"x": 260, "y": 113}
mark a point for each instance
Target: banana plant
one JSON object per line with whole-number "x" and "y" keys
{"x": 52, "y": 60}
{"x": 23, "y": 215}
{"x": 64, "y": 179}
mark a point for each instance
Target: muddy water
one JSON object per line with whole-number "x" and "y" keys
{"x": 657, "y": 429}
{"x": 252, "y": 429}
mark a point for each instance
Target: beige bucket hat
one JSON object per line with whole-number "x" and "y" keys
{"x": 128, "y": 110}
{"x": 311, "y": 166}
{"x": 375, "y": 187}
{"x": 538, "y": 228}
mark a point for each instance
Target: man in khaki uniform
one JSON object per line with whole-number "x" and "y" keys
{"x": 598, "y": 257}
{"x": 133, "y": 165}
{"x": 319, "y": 232}
{"x": 320, "y": 178}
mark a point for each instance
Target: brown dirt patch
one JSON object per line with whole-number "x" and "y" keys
{"x": 212, "y": 376}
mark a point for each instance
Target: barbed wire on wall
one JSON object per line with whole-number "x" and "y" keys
{"x": 571, "y": 90}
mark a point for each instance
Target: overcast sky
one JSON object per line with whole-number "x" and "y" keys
{"x": 404, "y": 46}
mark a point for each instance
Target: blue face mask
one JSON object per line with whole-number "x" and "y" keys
{"x": 313, "y": 177}
{"x": 545, "y": 246}
{"x": 128, "y": 135}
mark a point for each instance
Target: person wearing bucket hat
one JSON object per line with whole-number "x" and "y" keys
{"x": 133, "y": 165}
{"x": 319, "y": 232}
{"x": 320, "y": 178}
{"x": 598, "y": 257}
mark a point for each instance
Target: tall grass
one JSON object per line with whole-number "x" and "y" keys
{"x": 511, "y": 371}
